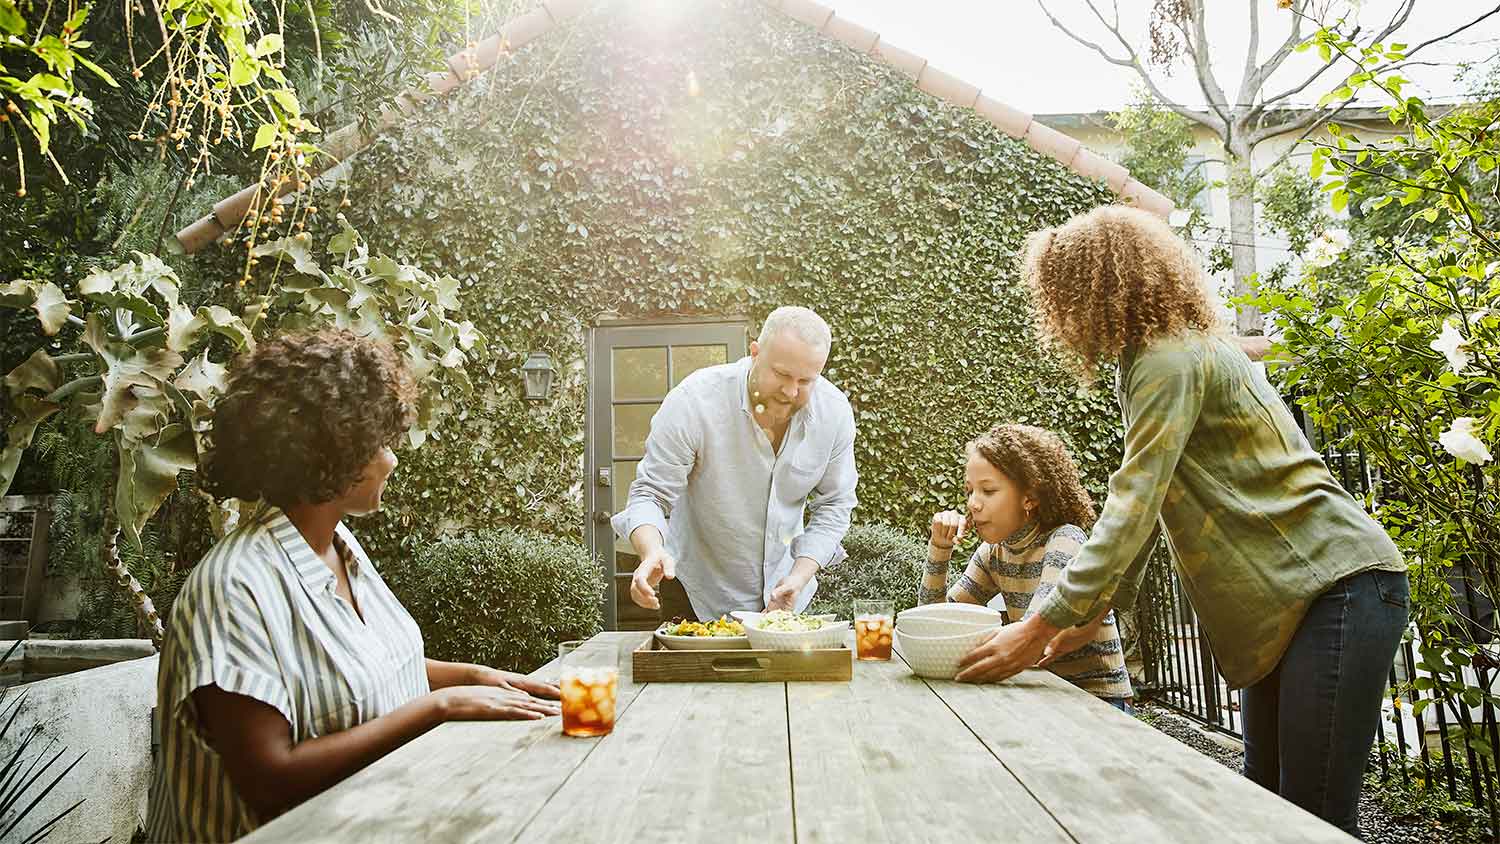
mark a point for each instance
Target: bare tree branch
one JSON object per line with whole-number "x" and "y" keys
{"x": 1255, "y": 77}
{"x": 1132, "y": 60}
{"x": 1398, "y": 20}
{"x": 1198, "y": 45}
{"x": 1309, "y": 122}
{"x": 1251, "y": 52}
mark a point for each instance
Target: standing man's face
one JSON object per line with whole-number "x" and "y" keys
{"x": 782, "y": 375}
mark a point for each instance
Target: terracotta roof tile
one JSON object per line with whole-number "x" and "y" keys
{"x": 815, "y": 15}
{"x": 1092, "y": 165}
{"x": 851, "y": 33}
{"x": 1008, "y": 119}
{"x": 948, "y": 87}
{"x": 526, "y": 28}
{"x": 1146, "y": 198}
{"x": 1048, "y": 141}
{"x": 908, "y": 63}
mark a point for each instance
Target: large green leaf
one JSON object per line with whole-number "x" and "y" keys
{"x": 39, "y": 372}
{"x": 29, "y": 411}
{"x": 44, "y": 297}
{"x": 126, "y": 367}
{"x": 202, "y": 376}
{"x": 183, "y": 328}
{"x": 294, "y": 249}
{"x": 148, "y": 474}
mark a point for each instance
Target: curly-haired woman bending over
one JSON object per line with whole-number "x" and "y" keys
{"x": 288, "y": 663}
{"x": 1028, "y": 506}
{"x": 1301, "y": 594}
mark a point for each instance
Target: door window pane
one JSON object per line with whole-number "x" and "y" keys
{"x": 640, "y": 373}
{"x": 689, "y": 359}
{"x": 632, "y": 424}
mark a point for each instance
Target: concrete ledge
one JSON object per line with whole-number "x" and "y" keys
{"x": 50, "y": 658}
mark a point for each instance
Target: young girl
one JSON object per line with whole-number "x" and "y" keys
{"x": 1301, "y": 594}
{"x": 1027, "y": 504}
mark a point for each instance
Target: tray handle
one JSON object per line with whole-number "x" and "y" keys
{"x": 740, "y": 664}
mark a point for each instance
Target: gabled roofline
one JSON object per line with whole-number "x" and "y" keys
{"x": 464, "y": 65}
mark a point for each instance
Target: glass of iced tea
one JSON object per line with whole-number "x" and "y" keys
{"x": 873, "y": 622}
{"x": 589, "y": 674}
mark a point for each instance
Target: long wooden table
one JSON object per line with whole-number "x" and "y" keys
{"x": 885, "y": 757}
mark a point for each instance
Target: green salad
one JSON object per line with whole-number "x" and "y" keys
{"x": 785, "y": 621}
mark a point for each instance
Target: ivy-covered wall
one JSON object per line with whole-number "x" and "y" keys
{"x": 728, "y": 161}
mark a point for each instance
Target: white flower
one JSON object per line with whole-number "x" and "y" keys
{"x": 1327, "y": 248}
{"x": 1453, "y": 346}
{"x": 1459, "y": 441}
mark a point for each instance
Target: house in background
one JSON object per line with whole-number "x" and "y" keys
{"x": 1096, "y": 132}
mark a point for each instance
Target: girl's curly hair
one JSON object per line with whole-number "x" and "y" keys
{"x": 302, "y": 417}
{"x": 1111, "y": 279}
{"x": 1036, "y": 460}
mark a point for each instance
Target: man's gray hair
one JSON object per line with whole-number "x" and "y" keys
{"x": 799, "y": 322}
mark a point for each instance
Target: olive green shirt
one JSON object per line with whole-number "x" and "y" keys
{"x": 1256, "y": 525}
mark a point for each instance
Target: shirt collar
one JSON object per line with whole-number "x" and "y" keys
{"x": 1025, "y": 537}
{"x": 305, "y": 561}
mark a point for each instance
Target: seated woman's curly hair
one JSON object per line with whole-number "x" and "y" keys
{"x": 1036, "y": 460}
{"x": 303, "y": 415}
{"x": 1111, "y": 279}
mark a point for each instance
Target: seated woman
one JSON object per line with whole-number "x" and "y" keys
{"x": 1029, "y": 507}
{"x": 288, "y": 664}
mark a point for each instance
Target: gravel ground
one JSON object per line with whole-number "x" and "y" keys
{"x": 1376, "y": 825}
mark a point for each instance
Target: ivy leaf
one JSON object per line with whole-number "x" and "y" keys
{"x": 39, "y": 372}
{"x": 222, "y": 321}
{"x": 29, "y": 412}
{"x": 243, "y": 70}
{"x": 267, "y": 45}
{"x": 345, "y": 241}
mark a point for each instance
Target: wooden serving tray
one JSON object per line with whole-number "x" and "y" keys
{"x": 651, "y": 663}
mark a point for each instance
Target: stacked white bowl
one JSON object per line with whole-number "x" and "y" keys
{"x": 932, "y": 638}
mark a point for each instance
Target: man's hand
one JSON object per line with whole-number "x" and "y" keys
{"x": 486, "y": 676}
{"x": 655, "y": 565}
{"x": 784, "y": 593}
{"x": 1070, "y": 640}
{"x": 1011, "y": 650}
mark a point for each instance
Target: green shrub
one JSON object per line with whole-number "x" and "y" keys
{"x": 884, "y": 564}
{"x": 499, "y": 597}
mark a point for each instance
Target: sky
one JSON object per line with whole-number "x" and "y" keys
{"x": 1010, "y": 50}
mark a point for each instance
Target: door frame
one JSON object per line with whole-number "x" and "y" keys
{"x": 598, "y": 501}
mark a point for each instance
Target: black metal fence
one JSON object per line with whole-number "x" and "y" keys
{"x": 1447, "y": 746}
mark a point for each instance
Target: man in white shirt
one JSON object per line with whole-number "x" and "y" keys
{"x": 738, "y": 454}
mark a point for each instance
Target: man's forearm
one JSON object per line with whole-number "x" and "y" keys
{"x": 645, "y": 540}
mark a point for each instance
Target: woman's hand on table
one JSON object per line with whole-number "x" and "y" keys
{"x": 486, "y": 676}
{"x": 490, "y": 703}
{"x": 1009, "y": 651}
{"x": 1070, "y": 640}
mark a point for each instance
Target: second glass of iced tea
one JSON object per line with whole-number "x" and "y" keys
{"x": 873, "y": 622}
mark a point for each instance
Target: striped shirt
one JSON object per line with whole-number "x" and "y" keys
{"x": 259, "y": 617}
{"x": 1024, "y": 569}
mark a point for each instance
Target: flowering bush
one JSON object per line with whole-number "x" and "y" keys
{"x": 1407, "y": 367}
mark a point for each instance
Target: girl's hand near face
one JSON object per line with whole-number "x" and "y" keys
{"x": 947, "y": 528}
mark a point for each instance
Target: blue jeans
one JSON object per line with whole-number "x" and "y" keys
{"x": 1120, "y": 703}
{"x": 1310, "y": 724}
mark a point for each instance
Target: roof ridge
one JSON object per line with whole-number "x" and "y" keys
{"x": 523, "y": 29}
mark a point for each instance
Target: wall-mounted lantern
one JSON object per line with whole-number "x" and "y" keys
{"x": 538, "y": 372}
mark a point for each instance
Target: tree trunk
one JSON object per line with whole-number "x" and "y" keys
{"x": 1248, "y": 320}
{"x": 144, "y": 609}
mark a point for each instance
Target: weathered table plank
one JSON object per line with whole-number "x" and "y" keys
{"x": 459, "y": 782}
{"x": 884, "y": 759}
{"x": 1107, "y": 777}
{"x": 692, "y": 761}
